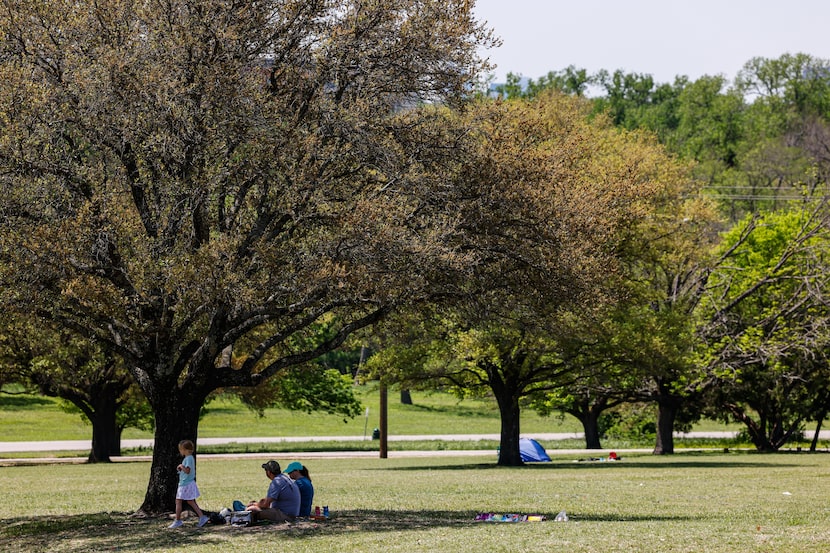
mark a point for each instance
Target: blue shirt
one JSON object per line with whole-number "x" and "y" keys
{"x": 306, "y": 495}
{"x": 184, "y": 477}
{"x": 284, "y": 495}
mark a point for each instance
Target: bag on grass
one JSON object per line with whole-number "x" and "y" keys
{"x": 241, "y": 518}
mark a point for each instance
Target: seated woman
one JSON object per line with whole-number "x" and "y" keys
{"x": 299, "y": 474}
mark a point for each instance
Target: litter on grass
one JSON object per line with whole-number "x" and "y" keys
{"x": 611, "y": 457}
{"x": 493, "y": 517}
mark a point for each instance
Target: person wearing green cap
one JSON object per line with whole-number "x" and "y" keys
{"x": 299, "y": 473}
{"x": 282, "y": 501}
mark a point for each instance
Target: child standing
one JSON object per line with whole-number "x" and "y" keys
{"x": 187, "y": 490}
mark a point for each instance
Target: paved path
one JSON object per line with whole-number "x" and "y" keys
{"x": 82, "y": 445}
{"x": 70, "y": 445}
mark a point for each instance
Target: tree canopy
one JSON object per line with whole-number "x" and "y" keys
{"x": 768, "y": 323}
{"x": 195, "y": 184}
{"x": 560, "y": 197}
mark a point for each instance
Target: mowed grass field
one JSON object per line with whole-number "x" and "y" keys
{"x": 28, "y": 418}
{"x": 36, "y": 418}
{"x": 692, "y": 501}
{"x": 688, "y": 502}
{"x": 32, "y": 418}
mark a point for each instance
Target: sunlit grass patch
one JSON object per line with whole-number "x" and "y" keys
{"x": 736, "y": 502}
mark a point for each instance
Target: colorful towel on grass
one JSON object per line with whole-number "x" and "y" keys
{"x": 512, "y": 517}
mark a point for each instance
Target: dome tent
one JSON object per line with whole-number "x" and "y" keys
{"x": 532, "y": 451}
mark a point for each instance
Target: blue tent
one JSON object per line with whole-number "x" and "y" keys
{"x": 532, "y": 451}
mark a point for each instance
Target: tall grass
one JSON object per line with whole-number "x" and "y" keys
{"x": 684, "y": 503}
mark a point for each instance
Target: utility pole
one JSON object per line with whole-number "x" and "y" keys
{"x": 382, "y": 425}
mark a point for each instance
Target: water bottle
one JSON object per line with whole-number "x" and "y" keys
{"x": 326, "y": 511}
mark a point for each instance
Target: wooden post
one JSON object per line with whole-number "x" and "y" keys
{"x": 383, "y": 421}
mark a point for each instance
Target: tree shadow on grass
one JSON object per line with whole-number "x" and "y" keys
{"x": 89, "y": 532}
{"x": 117, "y": 532}
{"x": 619, "y": 517}
{"x": 23, "y": 401}
{"x": 674, "y": 465}
{"x": 122, "y": 532}
{"x": 587, "y": 464}
{"x": 397, "y": 521}
{"x": 571, "y": 465}
{"x": 455, "y": 410}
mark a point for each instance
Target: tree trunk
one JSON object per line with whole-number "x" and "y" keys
{"x": 814, "y": 443}
{"x": 588, "y": 414}
{"x": 590, "y": 426}
{"x": 777, "y": 435}
{"x": 757, "y": 432}
{"x": 666, "y": 413}
{"x": 106, "y": 435}
{"x": 177, "y": 418}
{"x": 383, "y": 422}
{"x": 406, "y": 397}
{"x": 509, "y": 454}
{"x": 99, "y": 401}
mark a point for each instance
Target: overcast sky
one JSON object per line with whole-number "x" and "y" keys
{"x": 663, "y": 38}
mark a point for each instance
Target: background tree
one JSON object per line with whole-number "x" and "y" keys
{"x": 709, "y": 125}
{"x": 572, "y": 80}
{"x": 595, "y": 386}
{"x": 768, "y": 331}
{"x": 556, "y": 196}
{"x": 797, "y": 81}
{"x": 323, "y": 384}
{"x": 640, "y": 348}
{"x": 194, "y": 183}
{"x": 758, "y": 144}
{"x": 60, "y": 363}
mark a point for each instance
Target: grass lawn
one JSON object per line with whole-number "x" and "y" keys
{"x": 32, "y": 418}
{"x": 683, "y": 503}
{"x": 27, "y": 418}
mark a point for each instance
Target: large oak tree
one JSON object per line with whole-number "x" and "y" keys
{"x": 196, "y": 184}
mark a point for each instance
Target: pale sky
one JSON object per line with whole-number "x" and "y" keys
{"x": 663, "y": 38}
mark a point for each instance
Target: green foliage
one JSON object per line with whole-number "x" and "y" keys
{"x": 305, "y": 388}
{"x": 768, "y": 338}
{"x": 630, "y": 421}
{"x": 322, "y": 385}
{"x": 512, "y": 88}
{"x": 797, "y": 82}
{"x": 759, "y": 145}
{"x": 89, "y": 378}
{"x": 135, "y": 411}
{"x": 709, "y": 128}
{"x": 572, "y": 81}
